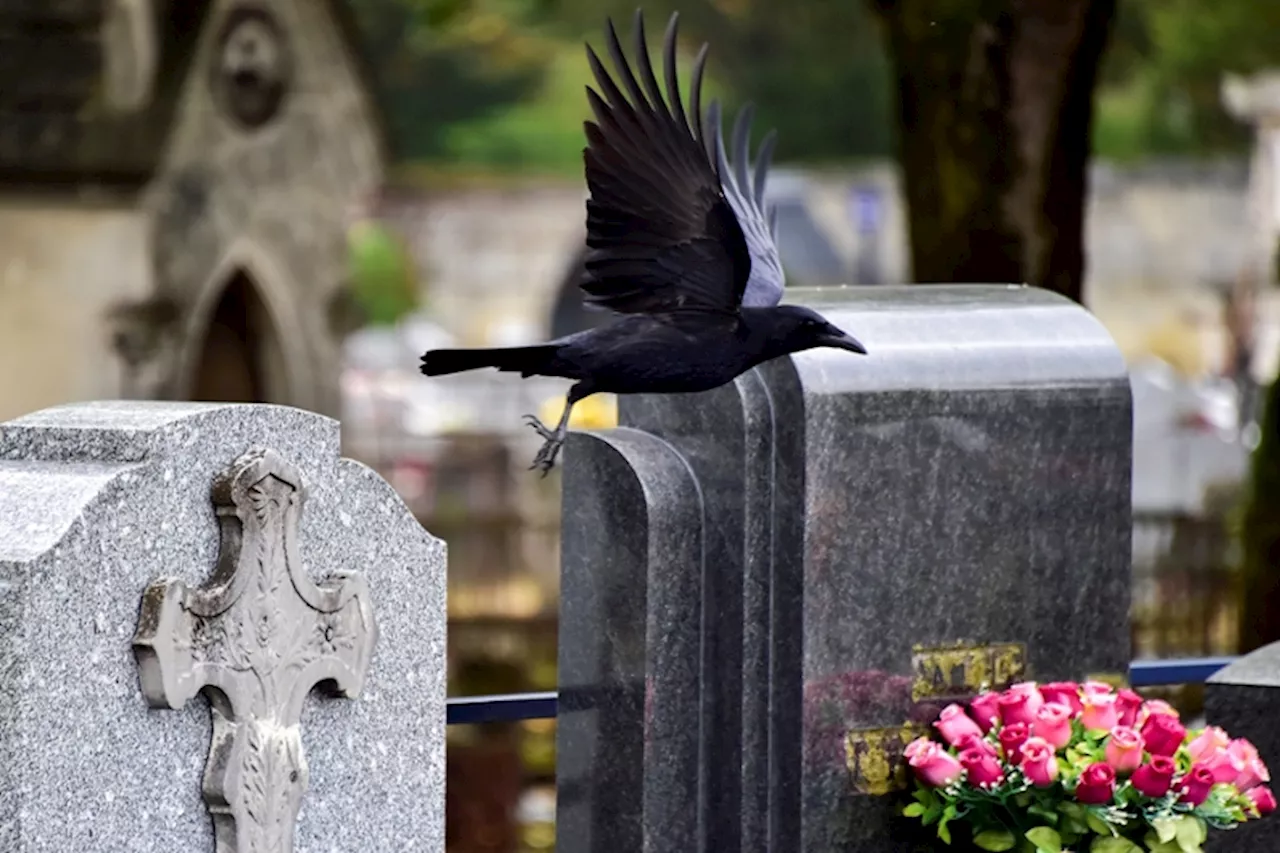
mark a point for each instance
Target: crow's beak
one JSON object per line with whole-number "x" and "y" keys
{"x": 840, "y": 340}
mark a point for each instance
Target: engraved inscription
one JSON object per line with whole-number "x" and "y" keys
{"x": 876, "y": 765}
{"x": 962, "y": 670}
{"x": 256, "y": 638}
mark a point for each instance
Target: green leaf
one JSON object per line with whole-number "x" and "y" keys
{"x": 1043, "y": 811}
{"x": 944, "y": 831}
{"x": 1166, "y": 828}
{"x": 1097, "y": 824}
{"x": 1045, "y": 839}
{"x": 913, "y": 810}
{"x": 995, "y": 839}
{"x": 1114, "y": 844}
{"x": 1189, "y": 839}
{"x": 1164, "y": 847}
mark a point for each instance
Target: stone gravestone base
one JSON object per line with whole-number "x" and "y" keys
{"x": 149, "y": 551}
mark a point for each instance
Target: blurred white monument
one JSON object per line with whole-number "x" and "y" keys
{"x": 1256, "y": 100}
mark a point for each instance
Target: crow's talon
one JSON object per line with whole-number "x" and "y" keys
{"x": 538, "y": 427}
{"x": 546, "y": 458}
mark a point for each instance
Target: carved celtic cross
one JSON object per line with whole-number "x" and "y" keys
{"x": 256, "y": 638}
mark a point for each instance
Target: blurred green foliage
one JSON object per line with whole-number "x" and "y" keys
{"x": 382, "y": 277}
{"x": 498, "y": 84}
{"x": 441, "y": 63}
{"x": 1162, "y": 77}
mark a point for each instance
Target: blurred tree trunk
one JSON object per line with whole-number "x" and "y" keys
{"x": 1260, "y": 534}
{"x": 995, "y": 108}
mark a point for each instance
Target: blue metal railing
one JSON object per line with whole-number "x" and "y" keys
{"x": 542, "y": 706}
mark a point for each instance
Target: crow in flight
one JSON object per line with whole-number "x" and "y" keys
{"x": 680, "y": 249}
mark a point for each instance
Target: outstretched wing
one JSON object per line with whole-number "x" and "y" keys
{"x": 661, "y": 234}
{"x": 745, "y": 192}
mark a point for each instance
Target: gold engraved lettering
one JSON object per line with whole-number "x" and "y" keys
{"x": 963, "y": 669}
{"x": 874, "y": 758}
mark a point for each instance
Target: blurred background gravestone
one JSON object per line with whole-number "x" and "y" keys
{"x": 324, "y": 579}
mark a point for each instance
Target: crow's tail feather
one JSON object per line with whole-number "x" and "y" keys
{"x": 526, "y": 360}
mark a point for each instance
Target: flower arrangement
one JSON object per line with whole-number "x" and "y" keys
{"x": 1064, "y": 767}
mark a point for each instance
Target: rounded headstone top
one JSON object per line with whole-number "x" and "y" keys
{"x": 1260, "y": 668}
{"x": 956, "y": 337}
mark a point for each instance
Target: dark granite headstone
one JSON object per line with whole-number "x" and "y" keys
{"x": 878, "y": 534}
{"x": 1244, "y": 699}
{"x": 629, "y": 720}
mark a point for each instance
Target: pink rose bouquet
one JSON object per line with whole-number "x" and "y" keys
{"x": 1082, "y": 767}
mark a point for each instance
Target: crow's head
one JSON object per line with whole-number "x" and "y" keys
{"x": 796, "y": 328}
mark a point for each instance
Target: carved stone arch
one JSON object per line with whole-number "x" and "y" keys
{"x": 246, "y": 300}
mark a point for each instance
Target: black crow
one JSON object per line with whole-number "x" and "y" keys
{"x": 679, "y": 247}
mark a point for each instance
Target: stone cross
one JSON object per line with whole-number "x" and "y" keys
{"x": 256, "y": 638}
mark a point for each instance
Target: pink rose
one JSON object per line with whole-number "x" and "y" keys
{"x": 915, "y": 746}
{"x": 985, "y": 708}
{"x": 1128, "y": 704}
{"x": 977, "y": 742}
{"x": 1020, "y": 703}
{"x": 1156, "y": 706}
{"x": 1039, "y": 763}
{"x": 953, "y": 723}
{"x": 1053, "y": 723}
{"x": 1097, "y": 688}
{"x": 1011, "y": 740}
{"x": 1209, "y": 740}
{"x": 1255, "y": 771}
{"x": 983, "y": 769}
{"x": 1097, "y": 783}
{"x": 1163, "y": 734}
{"x": 1124, "y": 749}
{"x": 1099, "y": 712}
{"x": 934, "y": 766}
{"x": 1225, "y": 766}
{"x": 1263, "y": 799}
{"x": 1064, "y": 693}
{"x": 1196, "y": 785}
{"x": 1154, "y": 779}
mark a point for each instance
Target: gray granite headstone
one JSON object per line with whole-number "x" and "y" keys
{"x": 880, "y": 535}
{"x": 629, "y": 722}
{"x": 1244, "y": 699}
{"x": 152, "y": 550}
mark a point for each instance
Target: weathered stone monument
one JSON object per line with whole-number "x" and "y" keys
{"x": 175, "y": 177}
{"x": 153, "y": 551}
{"x": 1244, "y": 699}
{"x": 768, "y": 589}
{"x": 1256, "y": 101}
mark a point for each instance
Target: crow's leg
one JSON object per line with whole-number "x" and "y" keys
{"x": 554, "y": 438}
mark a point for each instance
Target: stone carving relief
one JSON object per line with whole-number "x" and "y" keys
{"x": 252, "y": 67}
{"x": 256, "y": 638}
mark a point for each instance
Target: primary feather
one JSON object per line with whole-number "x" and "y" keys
{"x": 745, "y": 192}
{"x": 663, "y": 233}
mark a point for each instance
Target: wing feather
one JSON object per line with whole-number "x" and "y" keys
{"x": 745, "y": 194}
{"x": 662, "y": 236}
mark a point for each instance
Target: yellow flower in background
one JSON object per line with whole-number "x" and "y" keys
{"x": 599, "y": 411}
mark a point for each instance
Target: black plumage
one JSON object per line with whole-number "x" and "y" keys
{"x": 679, "y": 246}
